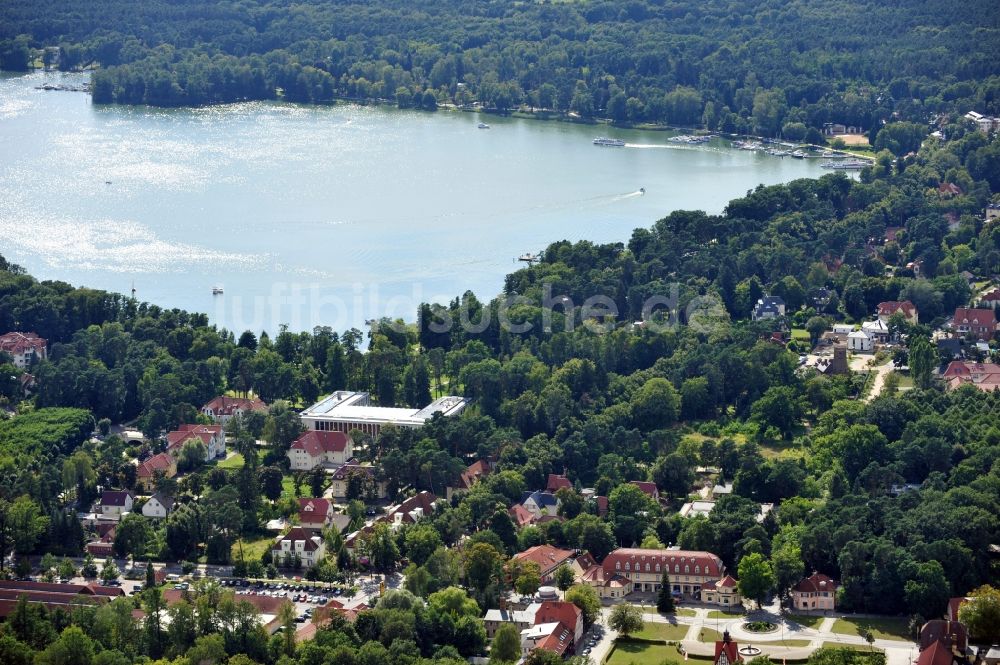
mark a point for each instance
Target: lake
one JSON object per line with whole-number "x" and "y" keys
{"x": 325, "y": 215}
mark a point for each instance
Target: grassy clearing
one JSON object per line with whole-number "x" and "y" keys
{"x": 805, "y": 620}
{"x": 684, "y": 612}
{"x": 234, "y": 462}
{"x": 648, "y": 653}
{"x": 723, "y": 614}
{"x": 853, "y": 647}
{"x": 800, "y": 334}
{"x": 252, "y": 549}
{"x": 662, "y": 631}
{"x": 709, "y": 635}
{"x": 883, "y": 628}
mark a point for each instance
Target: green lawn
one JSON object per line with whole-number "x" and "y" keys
{"x": 800, "y": 334}
{"x": 841, "y": 645}
{"x": 234, "y": 462}
{"x": 664, "y": 632}
{"x": 723, "y": 614}
{"x": 648, "y": 653}
{"x": 709, "y": 635}
{"x": 252, "y": 549}
{"x": 803, "y": 620}
{"x": 681, "y": 611}
{"x": 884, "y": 628}
{"x": 684, "y": 612}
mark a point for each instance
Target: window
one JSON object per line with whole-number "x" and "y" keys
{"x": 626, "y": 566}
{"x": 697, "y": 570}
{"x": 647, "y": 567}
{"x": 657, "y": 567}
{"x": 687, "y": 569}
{"x": 618, "y": 565}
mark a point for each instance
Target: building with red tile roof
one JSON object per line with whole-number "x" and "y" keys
{"x": 547, "y": 558}
{"x": 24, "y": 347}
{"x": 724, "y": 592}
{"x": 145, "y": 474}
{"x": 560, "y": 611}
{"x": 52, "y": 595}
{"x": 889, "y": 307}
{"x": 222, "y": 409}
{"x": 469, "y": 477}
{"x": 520, "y": 515}
{"x": 557, "y": 482}
{"x": 726, "y": 651}
{"x": 649, "y": 489}
{"x": 816, "y": 592}
{"x": 607, "y": 585}
{"x": 935, "y": 654}
{"x": 985, "y": 376}
{"x": 978, "y": 323}
{"x": 315, "y": 448}
{"x": 688, "y": 570}
{"x": 952, "y": 634}
{"x": 315, "y": 513}
{"x": 213, "y": 437}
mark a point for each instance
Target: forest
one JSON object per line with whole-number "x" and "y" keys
{"x": 763, "y": 67}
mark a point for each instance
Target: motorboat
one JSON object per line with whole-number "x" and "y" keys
{"x": 483, "y": 125}
{"x": 605, "y": 141}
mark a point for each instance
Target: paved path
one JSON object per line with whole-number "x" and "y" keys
{"x": 897, "y": 652}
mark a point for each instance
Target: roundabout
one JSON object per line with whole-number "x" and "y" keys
{"x": 759, "y": 627}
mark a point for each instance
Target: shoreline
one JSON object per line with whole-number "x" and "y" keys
{"x": 522, "y": 113}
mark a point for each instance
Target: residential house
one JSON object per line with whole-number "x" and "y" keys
{"x": 553, "y": 636}
{"x": 158, "y": 506}
{"x": 985, "y": 376}
{"x": 410, "y": 511}
{"x": 649, "y": 489}
{"x": 768, "y": 307}
{"x": 115, "y": 503}
{"x": 860, "y": 342}
{"x": 24, "y": 347}
{"x": 886, "y": 309}
{"x": 990, "y": 300}
{"x": 557, "y": 482}
{"x": 316, "y": 448}
{"x": 567, "y": 614}
{"x": 992, "y": 211}
{"x": 725, "y": 592}
{"x": 816, "y": 592}
{"x": 540, "y": 503}
{"x": 308, "y": 544}
{"x": 520, "y": 516}
{"x": 522, "y": 619}
{"x": 104, "y": 546}
{"x": 984, "y": 123}
{"x": 949, "y": 348}
{"x": 547, "y": 558}
{"x": 688, "y": 570}
{"x": 341, "y": 479}
{"x": 953, "y": 634}
{"x": 979, "y": 323}
{"x": 472, "y": 475}
{"x": 222, "y": 409}
{"x": 145, "y": 474}
{"x": 212, "y": 436}
{"x": 877, "y": 330}
{"x": 607, "y": 585}
{"x": 315, "y": 513}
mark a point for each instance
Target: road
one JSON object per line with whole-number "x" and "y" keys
{"x": 897, "y": 652}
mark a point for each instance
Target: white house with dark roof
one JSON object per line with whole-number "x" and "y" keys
{"x": 305, "y": 543}
{"x": 115, "y": 503}
{"x": 158, "y": 506}
{"x": 768, "y": 307}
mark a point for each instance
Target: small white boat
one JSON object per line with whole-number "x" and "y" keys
{"x": 483, "y": 125}
{"x": 605, "y": 141}
{"x": 217, "y": 291}
{"x": 642, "y": 191}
